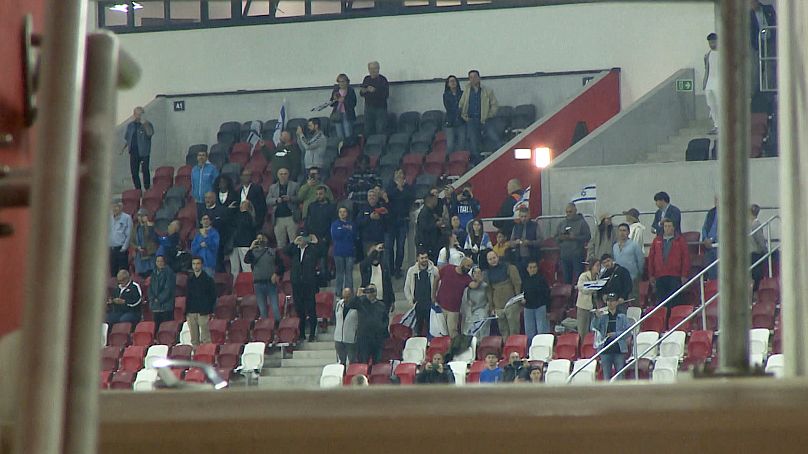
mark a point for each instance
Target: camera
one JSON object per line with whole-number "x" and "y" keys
{"x": 466, "y": 193}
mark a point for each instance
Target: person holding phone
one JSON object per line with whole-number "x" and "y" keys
{"x": 375, "y": 89}
{"x": 343, "y": 102}
{"x": 138, "y": 143}
{"x": 608, "y": 327}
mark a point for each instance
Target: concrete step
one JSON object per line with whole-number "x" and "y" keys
{"x": 315, "y": 354}
{"x": 309, "y": 362}
{"x": 307, "y": 381}
{"x": 324, "y": 345}
{"x": 292, "y": 371}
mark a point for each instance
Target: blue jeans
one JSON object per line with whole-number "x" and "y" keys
{"x": 123, "y": 317}
{"x": 710, "y": 256}
{"x": 607, "y": 360}
{"x": 344, "y": 127}
{"x": 375, "y": 121}
{"x": 571, "y": 269}
{"x": 397, "y": 233}
{"x": 474, "y": 132}
{"x": 455, "y": 138}
{"x": 267, "y": 291}
{"x": 536, "y": 322}
{"x": 344, "y": 271}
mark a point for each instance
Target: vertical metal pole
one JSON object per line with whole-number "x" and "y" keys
{"x": 90, "y": 262}
{"x": 769, "y": 245}
{"x": 53, "y": 215}
{"x": 636, "y": 360}
{"x": 792, "y": 50}
{"x": 734, "y": 138}
{"x": 703, "y": 312}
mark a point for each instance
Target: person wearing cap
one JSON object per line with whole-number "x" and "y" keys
{"x": 603, "y": 239}
{"x": 711, "y": 76}
{"x": 618, "y": 280}
{"x": 636, "y": 231}
{"x": 628, "y": 255}
{"x": 515, "y": 192}
{"x": 144, "y": 243}
{"x": 304, "y": 280}
{"x": 373, "y": 320}
{"x": 609, "y": 326}
{"x": 120, "y": 234}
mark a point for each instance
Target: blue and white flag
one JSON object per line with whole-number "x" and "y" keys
{"x": 524, "y": 201}
{"x": 437, "y": 322}
{"x": 589, "y": 193}
{"x": 595, "y": 285}
{"x": 254, "y": 138}
{"x": 478, "y": 325}
{"x": 276, "y": 136}
{"x": 409, "y": 319}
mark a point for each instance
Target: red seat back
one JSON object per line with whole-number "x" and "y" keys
{"x": 474, "y": 372}
{"x": 380, "y": 374}
{"x": 354, "y": 369}
{"x": 225, "y": 307}
{"x": 324, "y": 305}
{"x": 655, "y": 323}
{"x": 181, "y": 352}
{"x": 244, "y": 284}
{"x": 229, "y": 355}
{"x": 123, "y": 379}
{"x": 566, "y": 346}
{"x": 109, "y": 357}
{"x": 144, "y": 334}
{"x": 132, "y": 359}
{"x": 119, "y": 334}
{"x": 405, "y": 373}
{"x": 249, "y": 307}
{"x": 263, "y": 330}
{"x": 588, "y": 347}
{"x": 489, "y": 344}
{"x": 393, "y": 348}
{"x": 515, "y": 343}
{"x": 217, "y": 328}
{"x": 289, "y": 330}
{"x": 179, "y": 309}
{"x": 700, "y": 346}
{"x": 679, "y": 313}
{"x": 195, "y": 375}
{"x": 167, "y": 334}
{"x": 239, "y": 331}
{"x": 206, "y": 353}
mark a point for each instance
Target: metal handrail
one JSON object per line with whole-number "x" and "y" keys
{"x": 701, "y": 309}
{"x": 697, "y": 277}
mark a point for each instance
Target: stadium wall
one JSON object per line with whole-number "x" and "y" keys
{"x": 647, "y": 41}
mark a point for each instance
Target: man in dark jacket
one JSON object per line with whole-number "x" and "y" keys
{"x": 374, "y": 271}
{"x": 200, "y": 297}
{"x": 124, "y": 305}
{"x": 221, "y": 219}
{"x": 320, "y": 215}
{"x": 267, "y": 269}
{"x": 435, "y": 372}
{"x": 506, "y": 209}
{"x": 619, "y": 281}
{"x": 463, "y": 205}
{"x": 514, "y": 367}
{"x": 161, "y": 292}
{"x": 375, "y": 90}
{"x": 286, "y": 155}
{"x": 401, "y": 196}
{"x": 253, "y": 193}
{"x": 572, "y": 234}
{"x": 373, "y": 318}
{"x": 138, "y": 142}
{"x": 303, "y": 255}
{"x": 665, "y": 210}
{"x": 362, "y": 181}
{"x": 428, "y": 228}
{"x": 371, "y": 219}
{"x": 525, "y": 240}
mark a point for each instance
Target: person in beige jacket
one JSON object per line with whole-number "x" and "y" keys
{"x": 584, "y": 303}
{"x": 478, "y": 105}
{"x": 503, "y": 284}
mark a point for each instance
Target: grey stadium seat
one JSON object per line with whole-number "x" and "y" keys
{"x": 190, "y": 156}
{"x": 523, "y": 116}
{"x": 408, "y": 122}
{"x": 375, "y": 144}
{"x": 400, "y": 138}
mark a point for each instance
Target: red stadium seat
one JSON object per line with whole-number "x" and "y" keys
{"x": 239, "y": 331}
{"x": 515, "y": 343}
{"x": 225, "y": 307}
{"x": 123, "y": 379}
{"x": 768, "y": 295}
{"x": 777, "y": 341}
{"x": 110, "y": 357}
{"x": 206, "y": 353}
{"x": 224, "y": 283}
{"x": 131, "y": 196}
{"x": 399, "y": 331}
{"x": 105, "y": 375}
{"x": 179, "y": 308}
{"x": 405, "y": 373}
{"x": 380, "y": 374}
{"x": 549, "y": 271}
{"x": 393, "y": 349}
{"x": 289, "y": 330}
{"x": 229, "y": 356}
{"x": 264, "y": 331}
{"x": 167, "y": 334}
{"x": 195, "y": 375}
{"x": 566, "y": 346}
{"x": 711, "y": 314}
{"x": 437, "y": 345}
{"x": 679, "y": 313}
{"x": 700, "y": 345}
{"x": 763, "y": 314}
{"x": 325, "y": 305}
{"x": 434, "y": 163}
{"x": 770, "y": 282}
{"x": 337, "y": 185}
{"x": 119, "y": 334}
{"x": 182, "y": 352}
{"x": 217, "y": 328}
{"x": 239, "y": 158}
{"x": 655, "y": 323}
{"x": 474, "y": 372}
{"x": 163, "y": 176}
{"x": 489, "y": 344}
{"x": 144, "y": 334}
{"x": 459, "y": 156}
{"x": 244, "y": 284}
{"x": 645, "y": 293}
{"x": 353, "y": 370}
{"x": 132, "y": 359}
{"x": 588, "y": 347}
{"x": 457, "y": 168}
{"x": 248, "y": 308}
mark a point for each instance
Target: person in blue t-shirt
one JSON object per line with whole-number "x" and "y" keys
{"x": 492, "y": 373}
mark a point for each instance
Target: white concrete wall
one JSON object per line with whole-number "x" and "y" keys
{"x": 649, "y": 41}
{"x": 691, "y": 186}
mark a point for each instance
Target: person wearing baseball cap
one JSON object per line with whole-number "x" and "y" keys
{"x": 608, "y": 327}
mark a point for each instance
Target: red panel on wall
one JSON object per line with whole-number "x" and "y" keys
{"x": 17, "y": 155}
{"x": 595, "y": 106}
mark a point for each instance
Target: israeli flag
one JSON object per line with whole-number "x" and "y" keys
{"x": 523, "y": 201}
{"x": 595, "y": 285}
{"x": 409, "y": 319}
{"x": 437, "y": 322}
{"x": 589, "y": 193}
{"x": 276, "y": 136}
{"x": 254, "y": 138}
{"x": 478, "y": 325}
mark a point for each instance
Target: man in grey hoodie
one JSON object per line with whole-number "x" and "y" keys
{"x": 572, "y": 235}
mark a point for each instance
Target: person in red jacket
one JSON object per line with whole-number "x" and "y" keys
{"x": 668, "y": 263}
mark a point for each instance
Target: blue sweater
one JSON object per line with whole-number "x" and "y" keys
{"x": 202, "y": 180}
{"x": 491, "y": 376}
{"x": 342, "y": 234}
{"x": 208, "y": 252}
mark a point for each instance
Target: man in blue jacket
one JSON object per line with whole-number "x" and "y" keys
{"x": 138, "y": 142}
{"x": 202, "y": 176}
{"x": 206, "y": 245}
{"x": 608, "y": 327}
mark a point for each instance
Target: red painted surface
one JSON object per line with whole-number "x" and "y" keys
{"x": 19, "y": 154}
{"x": 595, "y": 106}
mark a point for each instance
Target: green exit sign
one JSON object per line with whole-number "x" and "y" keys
{"x": 684, "y": 85}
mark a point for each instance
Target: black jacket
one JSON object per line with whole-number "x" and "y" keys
{"x": 387, "y": 282}
{"x": 433, "y": 376}
{"x": 619, "y": 282}
{"x": 200, "y": 293}
{"x": 537, "y": 292}
{"x": 427, "y": 233}
{"x": 506, "y": 211}
{"x": 373, "y": 318}
{"x": 510, "y": 372}
{"x": 319, "y": 219}
{"x": 400, "y": 201}
{"x": 161, "y": 290}
{"x": 258, "y": 199}
{"x": 304, "y": 272}
{"x": 350, "y": 102}
{"x": 132, "y": 297}
{"x": 244, "y": 232}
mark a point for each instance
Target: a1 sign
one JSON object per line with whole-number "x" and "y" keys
{"x": 684, "y": 85}
{"x": 179, "y": 106}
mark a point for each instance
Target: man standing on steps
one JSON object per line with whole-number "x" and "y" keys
{"x": 138, "y": 142}
{"x": 283, "y": 199}
{"x": 710, "y": 84}
{"x": 373, "y": 318}
{"x": 200, "y": 300}
{"x": 303, "y": 255}
{"x": 478, "y": 106}
{"x": 345, "y": 329}
{"x": 629, "y": 255}
{"x": 453, "y": 282}
{"x": 375, "y": 89}
{"x": 420, "y": 287}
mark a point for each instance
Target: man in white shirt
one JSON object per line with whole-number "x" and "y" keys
{"x": 345, "y": 329}
{"x": 120, "y": 234}
{"x": 711, "y": 75}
